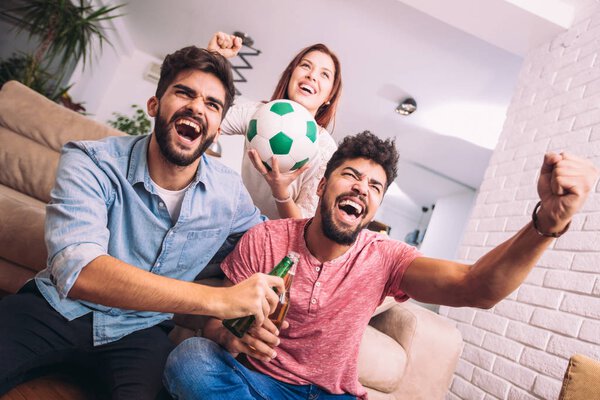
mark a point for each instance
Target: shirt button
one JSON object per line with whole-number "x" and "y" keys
{"x": 161, "y": 204}
{"x": 318, "y": 269}
{"x": 158, "y": 264}
{"x": 318, "y": 284}
{"x": 171, "y": 233}
{"x": 314, "y": 301}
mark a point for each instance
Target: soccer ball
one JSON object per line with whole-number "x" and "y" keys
{"x": 286, "y": 130}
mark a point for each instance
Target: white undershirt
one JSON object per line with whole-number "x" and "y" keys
{"x": 172, "y": 199}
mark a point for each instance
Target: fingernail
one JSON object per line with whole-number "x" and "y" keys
{"x": 274, "y": 355}
{"x": 277, "y": 331}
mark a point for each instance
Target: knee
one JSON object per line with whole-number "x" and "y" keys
{"x": 191, "y": 360}
{"x": 193, "y": 351}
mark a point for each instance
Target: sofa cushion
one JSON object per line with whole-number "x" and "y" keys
{"x": 27, "y": 166}
{"x": 381, "y": 361}
{"x": 22, "y": 229}
{"x": 12, "y": 277}
{"x": 22, "y": 108}
{"x": 581, "y": 379}
{"x": 388, "y": 303}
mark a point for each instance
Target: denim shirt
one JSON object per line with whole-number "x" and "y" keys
{"x": 104, "y": 203}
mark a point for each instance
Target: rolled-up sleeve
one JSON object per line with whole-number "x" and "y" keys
{"x": 76, "y": 218}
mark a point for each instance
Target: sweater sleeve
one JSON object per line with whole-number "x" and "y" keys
{"x": 237, "y": 118}
{"x": 307, "y": 198}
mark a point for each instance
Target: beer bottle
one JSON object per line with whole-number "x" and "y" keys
{"x": 280, "y": 312}
{"x": 239, "y": 326}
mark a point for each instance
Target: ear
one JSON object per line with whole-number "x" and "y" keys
{"x": 321, "y": 187}
{"x": 152, "y": 106}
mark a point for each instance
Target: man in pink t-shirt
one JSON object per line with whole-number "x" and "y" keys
{"x": 345, "y": 272}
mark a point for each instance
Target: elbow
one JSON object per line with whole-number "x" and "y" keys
{"x": 483, "y": 302}
{"x": 486, "y": 304}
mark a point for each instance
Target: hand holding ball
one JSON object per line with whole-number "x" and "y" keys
{"x": 286, "y": 130}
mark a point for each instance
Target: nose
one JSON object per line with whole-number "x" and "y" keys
{"x": 196, "y": 105}
{"x": 311, "y": 75}
{"x": 361, "y": 187}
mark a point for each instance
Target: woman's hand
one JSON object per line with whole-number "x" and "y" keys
{"x": 278, "y": 181}
{"x": 225, "y": 44}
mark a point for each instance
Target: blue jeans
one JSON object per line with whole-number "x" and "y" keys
{"x": 201, "y": 369}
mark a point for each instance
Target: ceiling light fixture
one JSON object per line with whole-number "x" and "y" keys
{"x": 407, "y": 106}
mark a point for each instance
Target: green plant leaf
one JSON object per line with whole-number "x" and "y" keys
{"x": 139, "y": 124}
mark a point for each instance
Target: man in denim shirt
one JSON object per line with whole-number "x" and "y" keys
{"x": 131, "y": 222}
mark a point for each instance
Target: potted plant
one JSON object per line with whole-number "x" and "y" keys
{"x": 65, "y": 29}
{"x": 138, "y": 124}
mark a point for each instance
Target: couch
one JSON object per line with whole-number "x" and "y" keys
{"x": 581, "y": 380}
{"x": 407, "y": 351}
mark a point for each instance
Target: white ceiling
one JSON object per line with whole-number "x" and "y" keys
{"x": 459, "y": 59}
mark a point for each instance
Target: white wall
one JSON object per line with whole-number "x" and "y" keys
{"x": 447, "y": 224}
{"x": 399, "y": 212}
{"x": 127, "y": 86}
{"x": 232, "y": 151}
{"x": 520, "y": 348}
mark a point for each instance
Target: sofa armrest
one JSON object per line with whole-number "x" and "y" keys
{"x": 432, "y": 344}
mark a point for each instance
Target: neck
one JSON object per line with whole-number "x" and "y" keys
{"x": 319, "y": 245}
{"x": 166, "y": 174}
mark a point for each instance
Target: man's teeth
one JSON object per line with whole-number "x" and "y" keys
{"x": 307, "y": 88}
{"x": 189, "y": 123}
{"x": 352, "y": 204}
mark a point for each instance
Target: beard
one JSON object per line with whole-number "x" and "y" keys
{"x": 334, "y": 232}
{"x": 167, "y": 147}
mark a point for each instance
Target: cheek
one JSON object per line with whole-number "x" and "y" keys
{"x": 214, "y": 120}
{"x": 326, "y": 88}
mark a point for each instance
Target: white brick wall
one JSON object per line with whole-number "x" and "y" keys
{"x": 519, "y": 349}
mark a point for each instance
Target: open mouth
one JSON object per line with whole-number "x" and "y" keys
{"x": 188, "y": 130}
{"x": 351, "y": 208}
{"x": 307, "y": 89}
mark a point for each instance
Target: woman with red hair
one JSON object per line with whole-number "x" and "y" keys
{"x": 312, "y": 79}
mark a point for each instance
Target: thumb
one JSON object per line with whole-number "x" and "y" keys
{"x": 550, "y": 160}
{"x": 237, "y": 43}
{"x": 276, "y": 282}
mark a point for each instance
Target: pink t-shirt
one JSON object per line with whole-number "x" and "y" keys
{"x": 331, "y": 303}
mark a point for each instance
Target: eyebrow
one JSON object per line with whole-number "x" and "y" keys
{"x": 311, "y": 63}
{"x": 191, "y": 92}
{"x": 360, "y": 175}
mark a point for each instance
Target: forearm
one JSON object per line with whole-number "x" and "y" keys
{"x": 113, "y": 283}
{"x": 498, "y": 273}
{"x": 490, "y": 279}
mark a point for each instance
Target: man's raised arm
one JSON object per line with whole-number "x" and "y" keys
{"x": 563, "y": 186}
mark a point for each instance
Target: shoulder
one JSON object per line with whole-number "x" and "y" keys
{"x": 111, "y": 146}
{"x": 383, "y": 243}
{"x": 278, "y": 228}
{"x": 326, "y": 141}
{"x": 243, "y": 109}
{"x": 218, "y": 167}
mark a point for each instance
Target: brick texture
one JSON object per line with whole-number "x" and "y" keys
{"x": 519, "y": 349}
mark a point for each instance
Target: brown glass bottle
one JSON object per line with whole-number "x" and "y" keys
{"x": 283, "y": 305}
{"x": 239, "y": 326}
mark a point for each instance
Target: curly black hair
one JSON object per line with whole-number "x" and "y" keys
{"x": 369, "y": 146}
{"x": 193, "y": 57}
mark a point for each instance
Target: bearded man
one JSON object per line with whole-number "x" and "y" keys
{"x": 346, "y": 271}
{"x": 131, "y": 223}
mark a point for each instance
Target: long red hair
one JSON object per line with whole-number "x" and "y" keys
{"x": 326, "y": 113}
